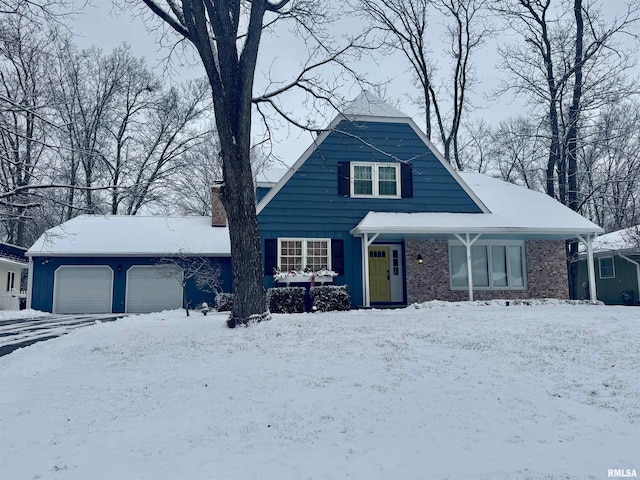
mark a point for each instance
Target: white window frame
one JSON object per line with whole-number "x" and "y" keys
{"x": 375, "y": 179}
{"x": 488, "y": 244}
{"x": 304, "y": 249}
{"x": 613, "y": 267}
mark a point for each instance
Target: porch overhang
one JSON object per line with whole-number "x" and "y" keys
{"x": 468, "y": 228}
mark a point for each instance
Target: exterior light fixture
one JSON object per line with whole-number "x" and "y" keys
{"x": 419, "y": 259}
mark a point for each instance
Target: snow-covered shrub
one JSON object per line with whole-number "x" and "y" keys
{"x": 286, "y": 299}
{"x": 329, "y": 298}
{"x": 224, "y": 302}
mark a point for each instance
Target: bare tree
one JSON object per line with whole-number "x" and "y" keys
{"x": 227, "y": 36}
{"x": 405, "y": 25}
{"x": 24, "y": 122}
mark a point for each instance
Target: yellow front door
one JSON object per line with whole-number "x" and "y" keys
{"x": 379, "y": 283}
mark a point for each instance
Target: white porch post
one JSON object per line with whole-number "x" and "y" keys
{"x": 590, "y": 267}
{"x": 365, "y": 270}
{"x": 366, "y": 242}
{"x": 30, "y": 282}
{"x": 468, "y": 243}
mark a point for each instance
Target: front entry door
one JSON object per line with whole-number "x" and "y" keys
{"x": 379, "y": 282}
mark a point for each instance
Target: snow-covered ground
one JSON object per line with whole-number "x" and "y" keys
{"x": 446, "y": 391}
{"x": 16, "y": 314}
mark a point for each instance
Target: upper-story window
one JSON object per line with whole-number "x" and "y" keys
{"x": 375, "y": 180}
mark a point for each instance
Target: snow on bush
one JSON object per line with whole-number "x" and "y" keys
{"x": 286, "y": 299}
{"x": 224, "y": 302}
{"x": 308, "y": 275}
{"x": 330, "y": 298}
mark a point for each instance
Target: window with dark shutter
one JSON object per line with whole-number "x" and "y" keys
{"x": 344, "y": 171}
{"x": 337, "y": 256}
{"x": 270, "y": 255}
{"x": 406, "y": 180}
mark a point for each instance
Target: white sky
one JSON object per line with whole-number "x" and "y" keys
{"x": 108, "y": 27}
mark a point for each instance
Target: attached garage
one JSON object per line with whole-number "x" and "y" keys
{"x": 83, "y": 289}
{"x": 153, "y": 288}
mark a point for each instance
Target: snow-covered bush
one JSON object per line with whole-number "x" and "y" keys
{"x": 286, "y": 299}
{"x": 329, "y": 298}
{"x": 224, "y": 302}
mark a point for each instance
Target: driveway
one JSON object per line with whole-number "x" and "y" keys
{"x": 22, "y": 332}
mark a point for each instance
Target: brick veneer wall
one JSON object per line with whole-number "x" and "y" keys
{"x": 546, "y": 273}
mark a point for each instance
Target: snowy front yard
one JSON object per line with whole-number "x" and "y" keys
{"x": 440, "y": 392}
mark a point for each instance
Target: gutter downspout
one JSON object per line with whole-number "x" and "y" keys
{"x": 637, "y": 270}
{"x": 30, "y": 282}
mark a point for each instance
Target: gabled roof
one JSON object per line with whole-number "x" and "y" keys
{"x": 124, "y": 235}
{"x": 367, "y": 108}
{"x": 626, "y": 240}
{"x": 513, "y": 209}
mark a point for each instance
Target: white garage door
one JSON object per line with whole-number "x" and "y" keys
{"x": 83, "y": 289}
{"x": 153, "y": 288}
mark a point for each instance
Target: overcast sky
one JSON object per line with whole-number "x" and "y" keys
{"x": 102, "y": 25}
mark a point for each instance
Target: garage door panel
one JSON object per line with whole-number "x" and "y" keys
{"x": 153, "y": 289}
{"x": 83, "y": 289}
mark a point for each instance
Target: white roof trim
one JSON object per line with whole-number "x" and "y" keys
{"x": 13, "y": 263}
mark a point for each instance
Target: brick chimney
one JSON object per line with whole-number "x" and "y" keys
{"x": 218, "y": 214}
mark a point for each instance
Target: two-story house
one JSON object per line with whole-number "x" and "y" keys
{"x": 373, "y": 201}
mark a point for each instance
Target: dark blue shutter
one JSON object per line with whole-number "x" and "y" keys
{"x": 344, "y": 171}
{"x": 406, "y": 180}
{"x": 270, "y": 255}
{"x": 337, "y": 256}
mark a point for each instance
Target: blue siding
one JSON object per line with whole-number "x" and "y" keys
{"x": 44, "y": 270}
{"x": 308, "y": 205}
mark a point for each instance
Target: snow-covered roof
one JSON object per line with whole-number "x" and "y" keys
{"x": 624, "y": 240}
{"x": 368, "y": 105}
{"x": 124, "y": 235}
{"x": 513, "y": 209}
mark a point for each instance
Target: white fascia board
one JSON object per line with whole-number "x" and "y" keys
{"x": 569, "y": 233}
{"x": 125, "y": 255}
{"x": 361, "y": 118}
{"x": 14, "y": 263}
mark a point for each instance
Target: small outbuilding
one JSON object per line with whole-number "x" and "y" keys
{"x": 13, "y": 267}
{"x": 617, "y": 265}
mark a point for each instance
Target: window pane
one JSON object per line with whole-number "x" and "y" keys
{"x": 317, "y": 255}
{"x": 515, "y": 266}
{"x": 458, "y": 260}
{"x": 480, "y": 266}
{"x": 606, "y": 267}
{"x": 499, "y": 266}
{"x": 290, "y": 255}
{"x": 362, "y": 180}
{"x": 387, "y": 181}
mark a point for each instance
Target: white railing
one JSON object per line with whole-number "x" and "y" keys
{"x": 11, "y": 300}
